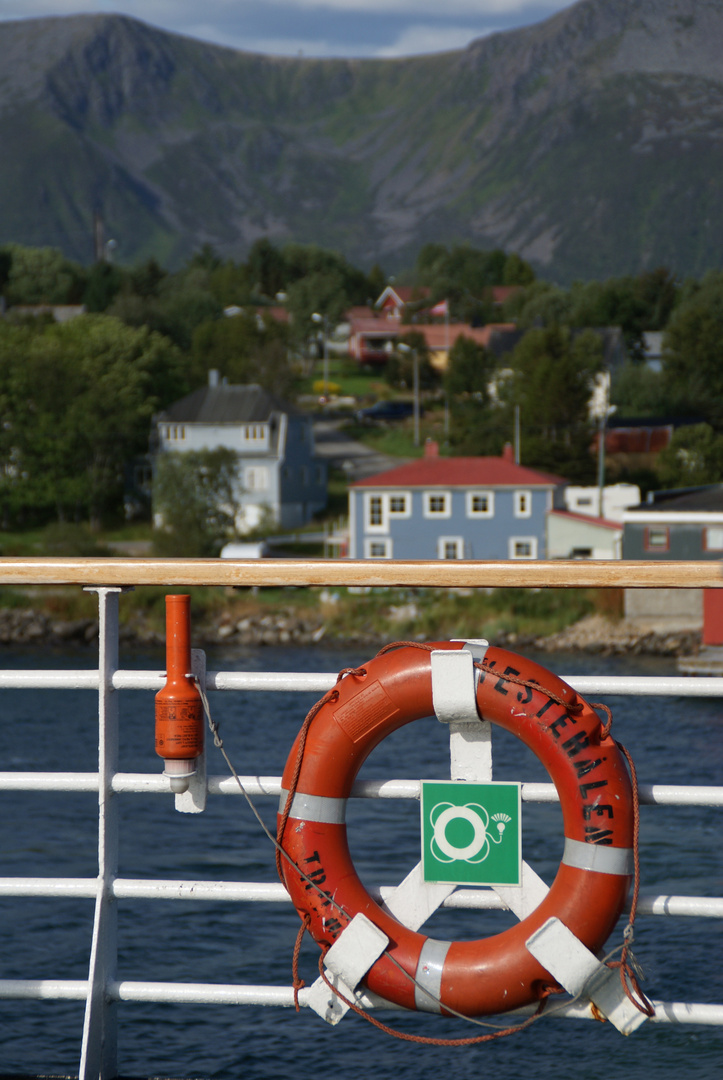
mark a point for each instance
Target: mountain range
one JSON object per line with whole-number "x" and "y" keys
{"x": 591, "y": 143}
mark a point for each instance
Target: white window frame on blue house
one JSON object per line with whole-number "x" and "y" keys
{"x": 446, "y": 509}
{"x": 377, "y": 547}
{"x": 400, "y": 511}
{"x": 476, "y": 512}
{"x": 370, "y": 499}
{"x": 523, "y": 504}
{"x": 446, "y": 542}
{"x": 512, "y": 543}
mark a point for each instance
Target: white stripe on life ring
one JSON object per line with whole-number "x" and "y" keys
{"x": 320, "y": 808}
{"x": 604, "y": 860}
{"x": 428, "y": 975}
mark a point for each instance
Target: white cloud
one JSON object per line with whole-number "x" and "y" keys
{"x": 324, "y": 28}
{"x": 431, "y": 39}
{"x": 413, "y": 41}
{"x": 176, "y": 11}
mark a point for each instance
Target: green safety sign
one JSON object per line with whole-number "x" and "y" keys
{"x": 471, "y": 833}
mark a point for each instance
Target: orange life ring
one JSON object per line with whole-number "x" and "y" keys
{"x": 490, "y": 975}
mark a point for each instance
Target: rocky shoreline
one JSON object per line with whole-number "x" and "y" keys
{"x": 593, "y": 634}
{"x": 606, "y": 637}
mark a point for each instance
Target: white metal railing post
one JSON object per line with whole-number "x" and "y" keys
{"x": 99, "y": 1053}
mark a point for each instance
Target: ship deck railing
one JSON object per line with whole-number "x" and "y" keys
{"x": 102, "y": 990}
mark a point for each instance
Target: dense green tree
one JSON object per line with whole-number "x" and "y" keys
{"x": 479, "y": 427}
{"x": 635, "y": 304}
{"x": 399, "y": 371}
{"x": 206, "y": 258}
{"x": 146, "y": 278}
{"x": 6, "y": 262}
{"x": 77, "y": 401}
{"x": 637, "y": 391}
{"x": 318, "y": 293}
{"x": 516, "y": 271}
{"x": 553, "y": 374}
{"x": 694, "y": 456}
{"x": 464, "y": 275}
{"x": 182, "y": 303}
{"x": 266, "y": 268}
{"x": 103, "y": 283}
{"x": 42, "y": 276}
{"x": 230, "y": 284}
{"x": 469, "y": 369}
{"x": 377, "y": 282}
{"x": 692, "y": 350}
{"x": 246, "y": 348}
{"x": 196, "y": 500}
{"x": 540, "y": 304}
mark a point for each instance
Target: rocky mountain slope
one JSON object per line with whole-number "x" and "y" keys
{"x": 591, "y": 143}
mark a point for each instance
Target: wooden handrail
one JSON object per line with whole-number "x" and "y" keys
{"x": 359, "y": 572}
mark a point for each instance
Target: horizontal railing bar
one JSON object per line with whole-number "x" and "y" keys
{"x": 157, "y": 784}
{"x": 442, "y": 573}
{"x": 48, "y": 781}
{"x": 51, "y": 679}
{"x": 273, "y": 892}
{"x": 202, "y": 993}
{"x": 44, "y": 989}
{"x": 321, "y": 681}
{"x": 666, "y": 1012}
{"x": 73, "y": 888}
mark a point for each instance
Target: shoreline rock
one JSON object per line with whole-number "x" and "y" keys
{"x": 594, "y": 634}
{"x": 605, "y": 637}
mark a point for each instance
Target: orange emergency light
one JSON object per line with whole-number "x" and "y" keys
{"x": 179, "y": 708}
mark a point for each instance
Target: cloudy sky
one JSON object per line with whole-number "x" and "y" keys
{"x": 316, "y": 27}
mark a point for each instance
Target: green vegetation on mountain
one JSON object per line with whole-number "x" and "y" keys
{"x": 588, "y": 143}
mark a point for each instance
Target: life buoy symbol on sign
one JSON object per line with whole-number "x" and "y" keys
{"x": 478, "y": 848}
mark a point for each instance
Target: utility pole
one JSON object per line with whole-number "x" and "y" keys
{"x": 98, "y": 237}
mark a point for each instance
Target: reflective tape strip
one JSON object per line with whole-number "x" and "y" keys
{"x": 429, "y": 975}
{"x": 315, "y": 808}
{"x": 604, "y": 860}
{"x": 453, "y": 687}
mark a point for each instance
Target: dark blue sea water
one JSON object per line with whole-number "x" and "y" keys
{"x": 672, "y": 740}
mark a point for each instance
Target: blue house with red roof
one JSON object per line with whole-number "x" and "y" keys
{"x": 452, "y": 508}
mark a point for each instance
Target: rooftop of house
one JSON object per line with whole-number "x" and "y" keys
{"x": 587, "y": 519}
{"x": 402, "y": 294}
{"x": 707, "y": 498}
{"x": 438, "y": 336}
{"x": 225, "y": 403}
{"x": 466, "y": 472}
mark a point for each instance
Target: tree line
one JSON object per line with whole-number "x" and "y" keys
{"x": 77, "y": 398}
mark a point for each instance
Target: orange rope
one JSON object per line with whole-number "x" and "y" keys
{"x": 519, "y": 681}
{"x": 426, "y": 1039}
{"x": 628, "y": 974}
{"x": 298, "y": 982}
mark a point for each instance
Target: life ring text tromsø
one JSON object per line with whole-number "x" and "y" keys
{"x": 497, "y": 973}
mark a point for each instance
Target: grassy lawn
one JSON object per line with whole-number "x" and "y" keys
{"x": 71, "y": 539}
{"x": 352, "y": 380}
{"x": 397, "y": 438}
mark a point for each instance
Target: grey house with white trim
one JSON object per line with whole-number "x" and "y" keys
{"x": 278, "y": 467}
{"x": 686, "y": 523}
